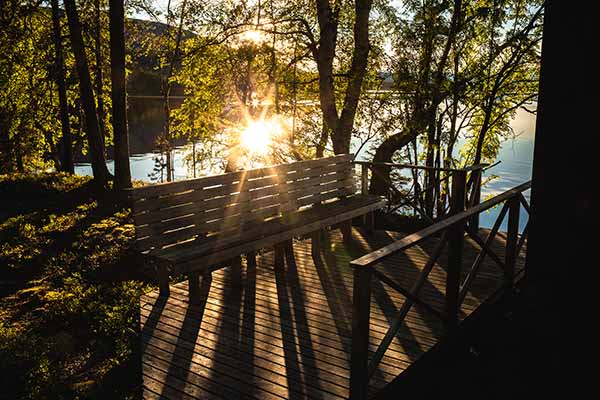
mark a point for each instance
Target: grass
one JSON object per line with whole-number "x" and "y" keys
{"x": 69, "y": 291}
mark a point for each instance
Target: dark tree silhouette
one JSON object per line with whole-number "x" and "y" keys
{"x": 119, "y": 94}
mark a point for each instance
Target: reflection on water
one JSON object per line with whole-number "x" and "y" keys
{"x": 142, "y": 166}
{"x": 515, "y": 168}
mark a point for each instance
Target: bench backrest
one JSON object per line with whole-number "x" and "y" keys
{"x": 176, "y": 213}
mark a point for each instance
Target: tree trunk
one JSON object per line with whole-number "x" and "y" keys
{"x": 101, "y": 109}
{"x": 119, "y": 94}
{"x": 360, "y": 56}
{"x": 322, "y": 141}
{"x": 87, "y": 96}
{"x": 167, "y": 93}
{"x": 328, "y": 26}
{"x": 340, "y": 127}
{"x": 381, "y": 174}
{"x": 66, "y": 162}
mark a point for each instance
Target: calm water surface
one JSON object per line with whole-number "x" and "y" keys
{"x": 516, "y": 156}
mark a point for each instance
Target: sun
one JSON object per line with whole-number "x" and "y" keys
{"x": 253, "y": 36}
{"x": 257, "y": 136}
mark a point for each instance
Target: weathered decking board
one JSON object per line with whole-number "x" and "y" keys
{"x": 286, "y": 333}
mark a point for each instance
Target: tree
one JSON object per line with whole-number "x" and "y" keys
{"x": 339, "y": 126}
{"x": 119, "y": 94}
{"x": 463, "y": 72}
{"x": 94, "y": 138}
{"x": 29, "y": 127}
{"x": 59, "y": 71}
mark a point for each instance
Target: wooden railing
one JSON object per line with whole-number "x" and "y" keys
{"x": 452, "y": 230}
{"x": 467, "y": 179}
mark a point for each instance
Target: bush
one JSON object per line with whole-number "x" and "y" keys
{"x": 68, "y": 322}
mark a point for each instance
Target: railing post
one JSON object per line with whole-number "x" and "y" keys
{"x": 361, "y": 308}
{"x": 475, "y": 199}
{"x": 512, "y": 236}
{"x": 364, "y": 178}
{"x": 368, "y": 220}
{"x": 455, "y": 250}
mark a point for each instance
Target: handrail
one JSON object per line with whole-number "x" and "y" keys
{"x": 413, "y": 239}
{"x": 453, "y": 229}
{"x": 422, "y": 167}
{"x": 429, "y": 208}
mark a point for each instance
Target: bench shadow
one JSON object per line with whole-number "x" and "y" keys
{"x": 299, "y": 360}
{"x": 229, "y": 332}
{"x": 183, "y": 353}
{"x": 247, "y": 332}
{"x": 157, "y": 308}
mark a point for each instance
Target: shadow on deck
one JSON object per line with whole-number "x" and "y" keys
{"x": 286, "y": 333}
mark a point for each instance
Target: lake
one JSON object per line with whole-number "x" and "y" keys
{"x": 515, "y": 156}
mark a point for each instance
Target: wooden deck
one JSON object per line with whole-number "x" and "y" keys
{"x": 285, "y": 334}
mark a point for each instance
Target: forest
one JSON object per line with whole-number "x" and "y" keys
{"x": 434, "y": 83}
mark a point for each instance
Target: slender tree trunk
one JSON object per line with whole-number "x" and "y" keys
{"x": 328, "y": 26}
{"x": 59, "y": 71}
{"x": 360, "y": 57}
{"x": 273, "y": 67}
{"x": 87, "y": 96}
{"x": 119, "y": 94}
{"x": 322, "y": 141}
{"x": 101, "y": 109}
{"x": 423, "y": 115}
{"x": 167, "y": 92}
{"x": 429, "y": 160}
{"x": 436, "y": 99}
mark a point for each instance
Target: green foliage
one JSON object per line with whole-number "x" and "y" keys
{"x": 69, "y": 322}
{"x": 27, "y": 112}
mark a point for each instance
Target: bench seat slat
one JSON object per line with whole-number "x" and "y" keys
{"x": 225, "y": 195}
{"x": 303, "y": 222}
{"x": 200, "y": 214}
{"x": 173, "y": 188}
{"x": 235, "y": 224}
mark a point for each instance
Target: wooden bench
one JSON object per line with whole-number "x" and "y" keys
{"x": 194, "y": 226}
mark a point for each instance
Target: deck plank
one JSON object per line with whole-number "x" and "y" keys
{"x": 286, "y": 334}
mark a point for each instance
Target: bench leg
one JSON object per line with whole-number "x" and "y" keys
{"x": 251, "y": 259}
{"x": 236, "y": 270}
{"x": 315, "y": 243}
{"x": 346, "y": 228}
{"x": 194, "y": 287}
{"x": 279, "y": 256}
{"x": 163, "y": 279}
{"x": 195, "y": 291}
{"x": 370, "y": 221}
{"x": 289, "y": 246}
